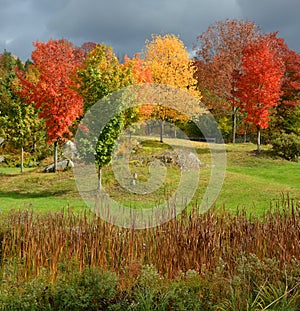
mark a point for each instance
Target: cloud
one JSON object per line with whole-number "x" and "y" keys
{"x": 23, "y": 22}
{"x": 125, "y": 25}
{"x": 275, "y": 15}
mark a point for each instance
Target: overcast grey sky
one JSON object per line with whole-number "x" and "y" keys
{"x": 126, "y": 24}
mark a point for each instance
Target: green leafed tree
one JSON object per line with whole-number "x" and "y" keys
{"x": 101, "y": 75}
{"x": 18, "y": 121}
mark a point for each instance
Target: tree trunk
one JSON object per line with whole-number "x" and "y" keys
{"x": 22, "y": 159}
{"x": 148, "y": 129}
{"x": 161, "y": 130}
{"x": 245, "y": 134}
{"x": 130, "y": 136}
{"x": 55, "y": 157}
{"x": 99, "y": 179}
{"x": 234, "y": 113}
{"x": 258, "y": 139}
{"x": 34, "y": 144}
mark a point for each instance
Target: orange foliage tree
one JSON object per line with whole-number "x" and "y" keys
{"x": 141, "y": 74}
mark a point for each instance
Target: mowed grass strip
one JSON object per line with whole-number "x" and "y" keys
{"x": 42, "y": 192}
{"x": 252, "y": 181}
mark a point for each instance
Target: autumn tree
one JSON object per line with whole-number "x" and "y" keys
{"x": 259, "y": 87}
{"x": 219, "y": 56}
{"x": 169, "y": 62}
{"x": 141, "y": 72}
{"x": 53, "y": 93}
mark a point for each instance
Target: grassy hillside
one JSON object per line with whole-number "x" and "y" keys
{"x": 195, "y": 262}
{"x": 251, "y": 181}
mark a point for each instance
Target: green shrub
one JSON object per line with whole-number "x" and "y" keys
{"x": 86, "y": 290}
{"x": 191, "y": 292}
{"x": 149, "y": 292}
{"x": 287, "y": 146}
{"x": 34, "y": 295}
{"x": 249, "y": 288}
{"x": 258, "y": 284}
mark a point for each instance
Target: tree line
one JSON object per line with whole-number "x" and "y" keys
{"x": 249, "y": 80}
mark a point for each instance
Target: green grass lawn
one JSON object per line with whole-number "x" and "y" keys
{"x": 38, "y": 191}
{"x": 252, "y": 181}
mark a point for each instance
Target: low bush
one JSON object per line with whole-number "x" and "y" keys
{"x": 86, "y": 290}
{"x": 81, "y": 290}
{"x": 90, "y": 289}
{"x": 287, "y": 146}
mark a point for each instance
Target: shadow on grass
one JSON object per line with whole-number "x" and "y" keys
{"x": 268, "y": 154}
{"x": 17, "y": 195}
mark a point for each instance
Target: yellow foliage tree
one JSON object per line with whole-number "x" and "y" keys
{"x": 169, "y": 62}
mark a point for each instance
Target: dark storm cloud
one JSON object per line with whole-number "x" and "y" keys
{"x": 23, "y": 22}
{"x": 275, "y": 15}
{"x": 125, "y": 25}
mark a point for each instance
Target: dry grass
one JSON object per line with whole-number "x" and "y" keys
{"x": 57, "y": 241}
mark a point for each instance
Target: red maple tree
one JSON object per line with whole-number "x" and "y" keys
{"x": 259, "y": 87}
{"x": 291, "y": 80}
{"x": 285, "y": 116}
{"x": 53, "y": 93}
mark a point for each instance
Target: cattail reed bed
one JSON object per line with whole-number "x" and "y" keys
{"x": 56, "y": 242}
